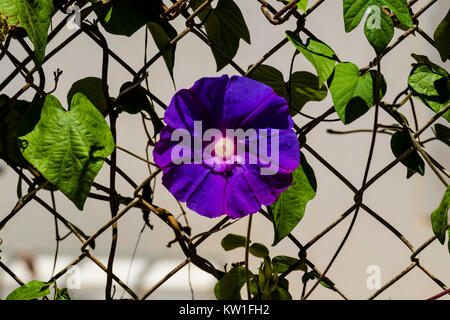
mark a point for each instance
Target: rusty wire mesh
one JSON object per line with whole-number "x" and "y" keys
{"x": 181, "y": 10}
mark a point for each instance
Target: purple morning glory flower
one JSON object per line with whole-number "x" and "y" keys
{"x": 228, "y": 146}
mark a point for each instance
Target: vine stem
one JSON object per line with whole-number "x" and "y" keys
{"x": 247, "y": 242}
{"x": 358, "y": 195}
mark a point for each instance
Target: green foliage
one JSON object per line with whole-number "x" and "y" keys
{"x": 233, "y": 241}
{"x": 439, "y": 217}
{"x": 69, "y": 147}
{"x": 258, "y": 250}
{"x": 430, "y": 84}
{"x": 303, "y": 86}
{"x": 354, "y": 11}
{"x": 162, "y": 33}
{"x": 321, "y": 56}
{"x": 34, "y": 16}
{"x": 225, "y": 26}
{"x": 283, "y": 263}
{"x": 16, "y": 119}
{"x": 30, "y": 291}
{"x": 135, "y": 100}
{"x": 290, "y": 207}
{"x": 123, "y": 17}
{"x": 92, "y": 88}
{"x": 442, "y": 133}
{"x": 442, "y": 38}
{"x": 379, "y": 35}
{"x": 229, "y": 287}
{"x": 400, "y": 143}
{"x": 353, "y": 94}
{"x": 62, "y": 294}
{"x": 301, "y": 5}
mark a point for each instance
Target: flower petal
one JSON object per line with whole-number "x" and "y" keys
{"x": 203, "y": 102}
{"x": 252, "y": 104}
{"x": 208, "y": 197}
{"x": 239, "y": 197}
{"x": 182, "y": 180}
{"x": 267, "y": 188}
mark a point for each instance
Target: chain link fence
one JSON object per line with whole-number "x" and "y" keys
{"x": 276, "y": 13}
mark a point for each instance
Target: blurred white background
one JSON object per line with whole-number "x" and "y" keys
{"x": 406, "y": 204}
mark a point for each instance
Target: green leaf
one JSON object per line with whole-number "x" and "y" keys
{"x": 162, "y": 33}
{"x": 401, "y": 142}
{"x": 290, "y": 206}
{"x": 229, "y": 287}
{"x": 34, "y": 16}
{"x": 62, "y": 294}
{"x": 32, "y": 290}
{"x": 439, "y": 217}
{"x": 233, "y": 241}
{"x": 353, "y": 94}
{"x": 283, "y": 263}
{"x": 354, "y": 11}
{"x": 321, "y": 56}
{"x": 92, "y": 88}
{"x": 442, "y": 133}
{"x": 258, "y": 250}
{"x": 301, "y": 5}
{"x": 429, "y": 83}
{"x": 69, "y": 147}
{"x": 225, "y": 26}
{"x": 442, "y": 38}
{"x": 379, "y": 30}
{"x": 10, "y": 117}
{"x": 327, "y": 283}
{"x": 124, "y": 17}
{"x": 136, "y": 100}
{"x": 304, "y": 86}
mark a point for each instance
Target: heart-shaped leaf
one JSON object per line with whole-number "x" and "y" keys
{"x": 69, "y": 147}
{"x": 353, "y": 94}
{"x": 290, "y": 206}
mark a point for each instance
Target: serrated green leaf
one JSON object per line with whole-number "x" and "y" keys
{"x": 258, "y": 250}
{"x": 233, "y": 241}
{"x": 354, "y": 11}
{"x": 229, "y": 287}
{"x": 442, "y": 38}
{"x": 69, "y": 147}
{"x": 439, "y": 217}
{"x": 135, "y": 101}
{"x": 353, "y": 94}
{"x": 321, "y": 56}
{"x": 162, "y": 33}
{"x": 304, "y": 86}
{"x": 34, "y": 16}
{"x": 30, "y": 291}
{"x": 400, "y": 143}
{"x": 442, "y": 133}
{"x": 225, "y": 26}
{"x": 283, "y": 263}
{"x": 92, "y": 88}
{"x": 290, "y": 206}
{"x": 379, "y": 30}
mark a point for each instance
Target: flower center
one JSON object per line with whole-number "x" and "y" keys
{"x": 224, "y": 148}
